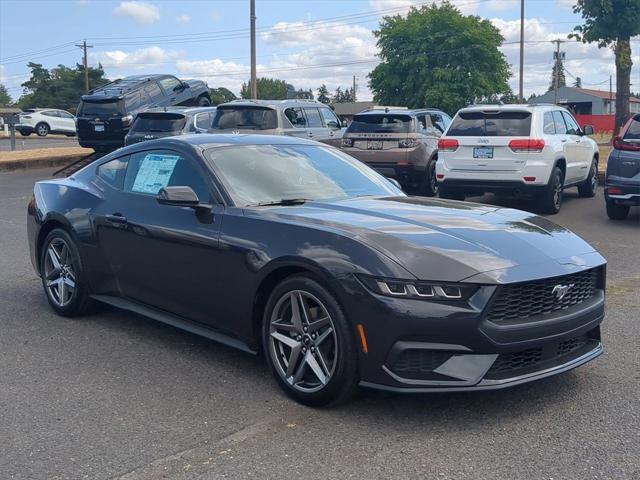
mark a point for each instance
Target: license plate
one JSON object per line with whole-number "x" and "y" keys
{"x": 482, "y": 152}
{"x": 374, "y": 145}
{"x": 98, "y": 128}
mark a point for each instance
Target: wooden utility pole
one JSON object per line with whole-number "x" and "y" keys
{"x": 521, "y": 89}
{"x": 610, "y": 95}
{"x": 556, "y": 76}
{"x": 84, "y": 47}
{"x": 354, "y": 88}
{"x": 254, "y": 80}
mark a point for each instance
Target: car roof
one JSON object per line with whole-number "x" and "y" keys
{"x": 274, "y": 103}
{"x": 512, "y": 106}
{"x": 398, "y": 111}
{"x": 123, "y": 85}
{"x": 185, "y": 110}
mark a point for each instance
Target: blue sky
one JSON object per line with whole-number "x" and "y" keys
{"x": 306, "y": 42}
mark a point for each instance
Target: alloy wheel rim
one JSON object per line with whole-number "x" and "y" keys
{"x": 302, "y": 341}
{"x": 557, "y": 194}
{"x": 594, "y": 178}
{"x": 59, "y": 273}
{"x": 42, "y": 130}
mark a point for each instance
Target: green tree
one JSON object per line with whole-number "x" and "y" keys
{"x": 221, "y": 95}
{"x": 562, "y": 79}
{"x": 323, "y": 94}
{"x": 5, "y": 98}
{"x": 268, "y": 89}
{"x": 612, "y": 23}
{"x": 578, "y": 82}
{"x": 345, "y": 96}
{"x": 59, "y": 88}
{"x": 437, "y": 57}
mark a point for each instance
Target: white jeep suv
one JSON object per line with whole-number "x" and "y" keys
{"x": 517, "y": 149}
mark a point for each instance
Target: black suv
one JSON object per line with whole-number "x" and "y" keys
{"x": 622, "y": 179}
{"x": 106, "y": 113}
{"x": 169, "y": 121}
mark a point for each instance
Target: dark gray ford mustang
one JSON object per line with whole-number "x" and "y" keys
{"x": 292, "y": 248}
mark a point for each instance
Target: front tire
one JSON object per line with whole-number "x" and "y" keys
{"x": 588, "y": 188}
{"x": 551, "y": 199}
{"x": 309, "y": 344}
{"x": 617, "y": 212}
{"x": 24, "y": 133}
{"x": 63, "y": 277}
{"x": 42, "y": 129}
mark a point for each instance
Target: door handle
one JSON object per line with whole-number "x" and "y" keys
{"x": 310, "y": 134}
{"x": 116, "y": 218}
{"x": 331, "y": 133}
{"x": 564, "y": 140}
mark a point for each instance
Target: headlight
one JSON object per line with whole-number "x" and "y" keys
{"x": 347, "y": 142}
{"x": 127, "y": 120}
{"x": 417, "y": 289}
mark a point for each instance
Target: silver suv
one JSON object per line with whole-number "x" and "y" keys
{"x": 399, "y": 143}
{"x": 296, "y": 118}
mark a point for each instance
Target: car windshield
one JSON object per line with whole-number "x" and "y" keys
{"x": 99, "y": 108}
{"x": 255, "y": 174}
{"x": 163, "y": 122}
{"x": 383, "y": 123}
{"x": 246, "y": 117}
{"x": 491, "y": 123}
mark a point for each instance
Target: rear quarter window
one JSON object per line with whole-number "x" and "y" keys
{"x": 491, "y": 124}
{"x": 113, "y": 172}
{"x": 633, "y": 130}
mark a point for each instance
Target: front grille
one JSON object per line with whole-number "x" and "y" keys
{"x": 509, "y": 364}
{"x": 518, "y": 302}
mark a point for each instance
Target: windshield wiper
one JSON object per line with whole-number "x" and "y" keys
{"x": 283, "y": 201}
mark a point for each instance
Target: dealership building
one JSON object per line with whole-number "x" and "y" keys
{"x": 584, "y": 101}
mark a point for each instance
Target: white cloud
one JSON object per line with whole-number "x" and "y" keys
{"x": 141, "y": 12}
{"x": 118, "y": 63}
{"x": 184, "y": 18}
{"x": 569, "y": 4}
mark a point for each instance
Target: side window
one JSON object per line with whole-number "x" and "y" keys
{"x": 169, "y": 84}
{"x": 313, "y": 117}
{"x": 549, "y": 126}
{"x": 134, "y": 100}
{"x": 203, "y": 121}
{"x": 152, "y": 170}
{"x": 330, "y": 119}
{"x": 561, "y": 127}
{"x": 66, "y": 115}
{"x": 50, "y": 113}
{"x": 438, "y": 122}
{"x": 113, "y": 172}
{"x": 296, "y": 117}
{"x": 572, "y": 125}
{"x": 153, "y": 91}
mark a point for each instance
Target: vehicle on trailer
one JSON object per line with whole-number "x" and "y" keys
{"x": 169, "y": 121}
{"x": 43, "y": 121}
{"x": 294, "y": 118}
{"x": 106, "y": 113}
{"x": 399, "y": 143}
{"x": 622, "y": 177}
{"x": 537, "y": 150}
{"x": 292, "y": 248}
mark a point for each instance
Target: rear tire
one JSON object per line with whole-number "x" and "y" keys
{"x": 312, "y": 355}
{"x": 617, "y": 212}
{"x": 589, "y": 187}
{"x": 24, "y": 133}
{"x": 63, "y": 278}
{"x": 429, "y": 186}
{"x": 42, "y": 129}
{"x": 204, "y": 102}
{"x": 551, "y": 199}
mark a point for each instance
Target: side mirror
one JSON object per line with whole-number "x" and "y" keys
{"x": 344, "y": 123}
{"x": 179, "y": 197}
{"x": 395, "y": 182}
{"x": 588, "y": 130}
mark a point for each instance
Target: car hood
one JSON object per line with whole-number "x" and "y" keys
{"x": 452, "y": 241}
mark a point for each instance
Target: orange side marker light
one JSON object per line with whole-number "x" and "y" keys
{"x": 363, "y": 338}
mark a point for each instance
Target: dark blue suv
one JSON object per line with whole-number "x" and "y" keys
{"x": 622, "y": 179}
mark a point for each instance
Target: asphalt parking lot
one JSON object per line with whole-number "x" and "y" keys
{"x": 115, "y": 395}
{"x": 37, "y": 142}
